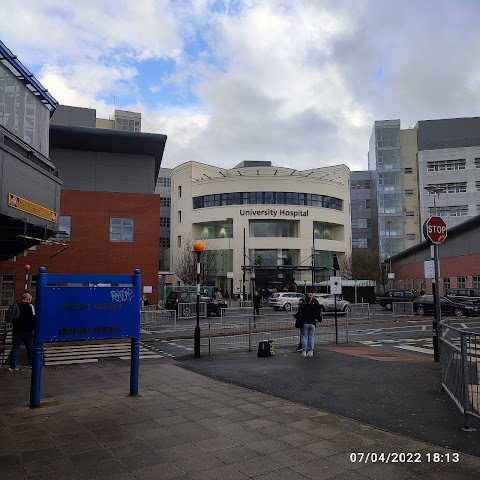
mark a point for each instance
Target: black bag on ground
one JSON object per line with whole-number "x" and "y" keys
{"x": 266, "y": 348}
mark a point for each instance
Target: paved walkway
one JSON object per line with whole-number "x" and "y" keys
{"x": 184, "y": 425}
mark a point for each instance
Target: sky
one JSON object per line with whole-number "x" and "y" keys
{"x": 295, "y": 82}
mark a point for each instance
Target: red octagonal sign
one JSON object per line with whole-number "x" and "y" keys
{"x": 435, "y": 230}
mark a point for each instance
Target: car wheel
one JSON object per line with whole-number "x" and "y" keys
{"x": 388, "y": 306}
{"x": 458, "y": 311}
{"x": 287, "y": 307}
{"x": 421, "y": 310}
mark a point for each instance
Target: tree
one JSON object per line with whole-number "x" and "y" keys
{"x": 363, "y": 264}
{"x": 185, "y": 264}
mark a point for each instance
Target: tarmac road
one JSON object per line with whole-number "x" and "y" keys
{"x": 401, "y": 395}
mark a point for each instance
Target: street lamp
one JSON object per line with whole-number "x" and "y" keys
{"x": 435, "y": 191}
{"x": 230, "y": 254}
{"x": 198, "y": 248}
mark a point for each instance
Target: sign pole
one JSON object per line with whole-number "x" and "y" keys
{"x": 437, "y": 317}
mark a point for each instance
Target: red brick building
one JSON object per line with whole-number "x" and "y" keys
{"x": 459, "y": 261}
{"x": 109, "y": 213}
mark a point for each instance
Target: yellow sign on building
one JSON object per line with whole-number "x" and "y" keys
{"x": 20, "y": 203}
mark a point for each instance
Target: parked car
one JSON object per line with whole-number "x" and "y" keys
{"x": 424, "y": 304}
{"x": 387, "y": 299}
{"x": 464, "y": 295}
{"x": 327, "y": 302}
{"x": 285, "y": 300}
{"x": 213, "y": 306}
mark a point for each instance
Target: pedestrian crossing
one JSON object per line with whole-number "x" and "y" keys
{"x": 70, "y": 354}
{"x": 415, "y": 345}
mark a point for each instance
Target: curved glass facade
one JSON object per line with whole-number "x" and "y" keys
{"x": 274, "y": 228}
{"x": 267, "y": 198}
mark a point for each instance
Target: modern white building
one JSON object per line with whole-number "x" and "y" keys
{"x": 266, "y": 218}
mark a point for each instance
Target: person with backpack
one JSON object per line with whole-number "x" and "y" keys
{"x": 22, "y": 317}
{"x": 309, "y": 312}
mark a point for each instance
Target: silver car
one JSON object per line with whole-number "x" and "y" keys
{"x": 327, "y": 303}
{"x": 285, "y": 300}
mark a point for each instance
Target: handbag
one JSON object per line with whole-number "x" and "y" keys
{"x": 298, "y": 320}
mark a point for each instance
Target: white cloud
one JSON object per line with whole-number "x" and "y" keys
{"x": 298, "y": 83}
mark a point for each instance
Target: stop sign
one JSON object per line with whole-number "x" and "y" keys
{"x": 435, "y": 230}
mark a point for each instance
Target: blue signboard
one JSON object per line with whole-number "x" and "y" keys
{"x": 88, "y": 312}
{"x": 85, "y": 307}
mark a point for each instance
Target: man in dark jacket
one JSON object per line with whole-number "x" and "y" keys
{"x": 257, "y": 299}
{"x": 22, "y": 331}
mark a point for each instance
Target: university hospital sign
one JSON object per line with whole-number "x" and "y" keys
{"x": 273, "y": 213}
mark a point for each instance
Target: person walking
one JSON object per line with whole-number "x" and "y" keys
{"x": 309, "y": 314}
{"x": 22, "y": 331}
{"x": 257, "y": 300}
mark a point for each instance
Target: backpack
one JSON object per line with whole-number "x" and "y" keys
{"x": 13, "y": 313}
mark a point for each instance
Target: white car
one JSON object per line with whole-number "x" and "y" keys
{"x": 285, "y": 300}
{"x": 327, "y": 303}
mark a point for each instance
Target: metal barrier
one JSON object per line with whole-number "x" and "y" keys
{"x": 238, "y": 332}
{"x": 158, "y": 321}
{"x": 187, "y": 310}
{"x": 459, "y": 360}
{"x": 5, "y": 335}
{"x": 234, "y": 330}
{"x": 358, "y": 311}
{"x": 402, "y": 309}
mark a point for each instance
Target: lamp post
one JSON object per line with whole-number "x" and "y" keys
{"x": 230, "y": 234}
{"x": 198, "y": 248}
{"x": 435, "y": 191}
{"x": 27, "y": 270}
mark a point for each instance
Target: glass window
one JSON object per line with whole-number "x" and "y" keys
{"x": 7, "y": 287}
{"x": 64, "y": 227}
{"x": 179, "y": 191}
{"x": 121, "y": 229}
{"x": 476, "y": 281}
{"x": 179, "y": 216}
{"x": 446, "y": 283}
{"x": 273, "y": 228}
{"x": 179, "y": 241}
{"x": 461, "y": 282}
{"x": 410, "y": 236}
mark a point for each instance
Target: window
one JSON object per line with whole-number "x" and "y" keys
{"x": 409, "y": 214}
{"x": 461, "y": 282}
{"x": 267, "y": 198}
{"x": 64, "y": 226}
{"x": 459, "y": 187}
{"x": 179, "y": 216}
{"x": 446, "y": 283}
{"x": 165, "y": 202}
{"x": 453, "y": 211}
{"x": 7, "y": 287}
{"x": 165, "y": 242}
{"x": 476, "y": 282}
{"x": 410, "y": 236}
{"x": 409, "y": 192}
{"x": 121, "y": 229}
{"x": 165, "y": 222}
{"x": 446, "y": 165}
{"x": 179, "y": 241}
{"x": 179, "y": 191}
{"x": 359, "y": 242}
{"x": 408, "y": 170}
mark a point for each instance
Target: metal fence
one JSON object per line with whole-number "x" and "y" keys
{"x": 236, "y": 330}
{"x": 5, "y": 336}
{"x": 459, "y": 354}
{"x": 358, "y": 311}
{"x": 402, "y": 309}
